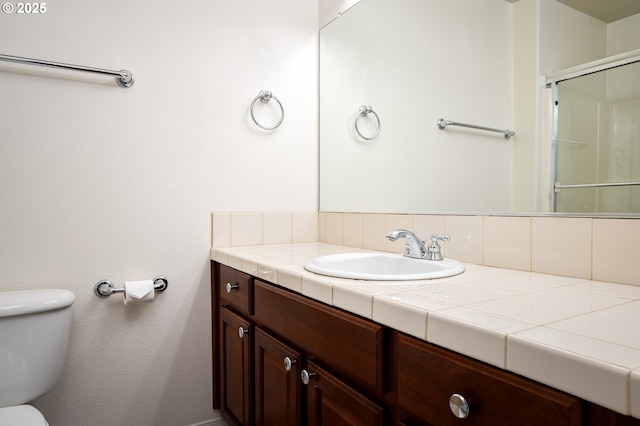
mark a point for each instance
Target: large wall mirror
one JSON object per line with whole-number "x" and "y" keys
{"x": 413, "y": 62}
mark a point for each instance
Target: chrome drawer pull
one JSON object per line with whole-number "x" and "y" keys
{"x": 288, "y": 363}
{"x": 242, "y": 331}
{"x": 231, "y": 287}
{"x": 306, "y": 376}
{"x": 459, "y": 406}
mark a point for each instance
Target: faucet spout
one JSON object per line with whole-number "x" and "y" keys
{"x": 415, "y": 246}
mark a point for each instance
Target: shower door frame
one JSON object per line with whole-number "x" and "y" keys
{"x": 553, "y": 79}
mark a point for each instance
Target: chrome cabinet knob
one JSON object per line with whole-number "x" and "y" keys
{"x": 242, "y": 331}
{"x": 306, "y": 376}
{"x": 459, "y": 406}
{"x": 231, "y": 287}
{"x": 288, "y": 363}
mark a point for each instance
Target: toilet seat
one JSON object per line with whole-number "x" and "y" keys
{"x": 21, "y": 415}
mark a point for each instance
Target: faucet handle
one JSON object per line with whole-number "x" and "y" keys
{"x": 433, "y": 251}
{"x": 436, "y": 237}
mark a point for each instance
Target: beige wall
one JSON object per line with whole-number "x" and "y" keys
{"x": 99, "y": 182}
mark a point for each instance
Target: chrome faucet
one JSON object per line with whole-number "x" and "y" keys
{"x": 415, "y": 247}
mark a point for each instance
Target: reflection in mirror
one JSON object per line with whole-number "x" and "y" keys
{"x": 416, "y": 61}
{"x": 413, "y": 62}
{"x": 598, "y": 128}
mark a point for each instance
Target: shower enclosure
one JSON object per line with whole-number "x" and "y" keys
{"x": 596, "y": 142}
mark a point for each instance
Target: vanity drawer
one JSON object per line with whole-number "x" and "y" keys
{"x": 348, "y": 346}
{"x": 428, "y": 376}
{"x": 235, "y": 289}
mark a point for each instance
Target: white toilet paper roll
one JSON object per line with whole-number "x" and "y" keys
{"x": 138, "y": 291}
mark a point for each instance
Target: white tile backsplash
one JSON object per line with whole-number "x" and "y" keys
{"x": 236, "y": 229}
{"x": 616, "y": 249}
{"x": 600, "y": 249}
{"x": 586, "y": 248}
{"x": 507, "y": 242}
{"x": 277, "y": 227}
{"x": 353, "y": 230}
{"x": 374, "y": 231}
{"x": 305, "y": 227}
{"x": 246, "y": 229}
{"x": 467, "y": 238}
{"x": 561, "y": 246}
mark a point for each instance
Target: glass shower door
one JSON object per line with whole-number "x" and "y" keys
{"x": 597, "y": 142}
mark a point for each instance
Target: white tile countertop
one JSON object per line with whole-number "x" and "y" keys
{"x": 579, "y": 336}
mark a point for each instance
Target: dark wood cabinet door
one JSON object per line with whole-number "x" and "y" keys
{"x": 600, "y": 416}
{"x": 428, "y": 376}
{"x": 349, "y": 346}
{"x": 332, "y": 403}
{"x": 236, "y": 368}
{"x": 235, "y": 289}
{"x": 277, "y": 382}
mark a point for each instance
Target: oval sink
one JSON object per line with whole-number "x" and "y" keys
{"x": 382, "y": 267}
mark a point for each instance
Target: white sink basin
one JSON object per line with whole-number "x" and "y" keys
{"x": 382, "y": 267}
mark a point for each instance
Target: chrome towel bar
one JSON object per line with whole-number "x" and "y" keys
{"x": 106, "y": 288}
{"x": 557, "y": 187}
{"x": 124, "y": 78}
{"x": 442, "y": 123}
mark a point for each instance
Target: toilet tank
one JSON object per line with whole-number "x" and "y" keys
{"x": 34, "y": 333}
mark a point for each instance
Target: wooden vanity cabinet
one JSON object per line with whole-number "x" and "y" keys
{"x": 358, "y": 372}
{"x": 268, "y": 336}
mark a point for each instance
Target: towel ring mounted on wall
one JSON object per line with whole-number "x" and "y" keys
{"x": 363, "y": 112}
{"x": 265, "y": 96}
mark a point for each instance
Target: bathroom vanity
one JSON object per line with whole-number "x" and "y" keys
{"x": 282, "y": 358}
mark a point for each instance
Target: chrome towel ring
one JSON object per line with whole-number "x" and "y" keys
{"x": 265, "y": 96}
{"x": 363, "y": 112}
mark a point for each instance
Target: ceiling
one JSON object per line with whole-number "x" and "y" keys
{"x": 605, "y": 10}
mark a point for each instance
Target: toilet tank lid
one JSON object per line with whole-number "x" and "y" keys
{"x": 23, "y": 415}
{"x": 21, "y": 302}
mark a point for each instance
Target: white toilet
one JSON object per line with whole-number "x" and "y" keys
{"x": 34, "y": 333}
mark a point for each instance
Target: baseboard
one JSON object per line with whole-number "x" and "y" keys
{"x": 213, "y": 422}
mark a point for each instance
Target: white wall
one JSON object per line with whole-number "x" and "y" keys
{"x": 563, "y": 38}
{"x": 568, "y": 37}
{"x": 99, "y": 182}
{"x": 623, "y": 35}
{"x": 332, "y": 9}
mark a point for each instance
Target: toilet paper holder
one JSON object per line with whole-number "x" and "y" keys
{"x": 104, "y": 288}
